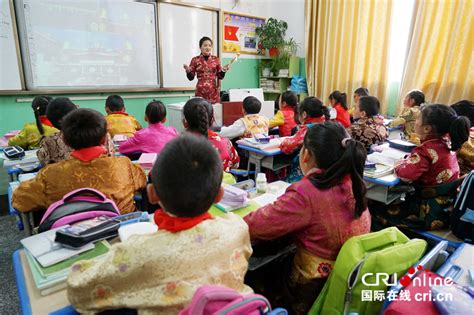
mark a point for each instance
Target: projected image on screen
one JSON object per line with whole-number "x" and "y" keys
{"x": 91, "y": 43}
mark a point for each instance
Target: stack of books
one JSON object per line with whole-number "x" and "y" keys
{"x": 234, "y": 198}
{"x": 272, "y": 145}
{"x": 147, "y": 160}
{"x": 50, "y": 261}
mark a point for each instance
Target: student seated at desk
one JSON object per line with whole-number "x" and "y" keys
{"x": 310, "y": 112}
{"x": 31, "y": 134}
{"x": 369, "y": 128}
{"x": 52, "y": 148}
{"x": 158, "y": 273}
{"x": 338, "y": 102}
{"x": 358, "y": 93}
{"x": 84, "y": 130}
{"x": 153, "y": 138}
{"x": 284, "y": 119}
{"x": 411, "y": 110}
{"x": 320, "y": 212}
{"x": 198, "y": 117}
{"x": 466, "y": 154}
{"x": 251, "y": 124}
{"x": 118, "y": 121}
{"x": 433, "y": 168}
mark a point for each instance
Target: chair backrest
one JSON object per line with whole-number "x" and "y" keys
{"x": 78, "y": 205}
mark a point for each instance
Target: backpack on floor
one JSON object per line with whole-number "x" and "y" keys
{"x": 78, "y": 205}
{"x": 218, "y": 300}
{"x": 362, "y": 259}
{"x": 462, "y": 217}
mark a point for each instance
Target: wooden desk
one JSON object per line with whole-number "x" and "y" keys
{"x": 31, "y": 302}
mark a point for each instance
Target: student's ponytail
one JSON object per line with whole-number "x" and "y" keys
{"x": 458, "y": 131}
{"x": 39, "y": 105}
{"x": 338, "y": 155}
{"x": 340, "y": 98}
{"x": 444, "y": 120}
{"x": 196, "y": 113}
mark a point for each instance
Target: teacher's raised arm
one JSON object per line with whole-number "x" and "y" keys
{"x": 208, "y": 70}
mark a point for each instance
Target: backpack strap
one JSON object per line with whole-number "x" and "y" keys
{"x": 371, "y": 242}
{"x": 82, "y": 191}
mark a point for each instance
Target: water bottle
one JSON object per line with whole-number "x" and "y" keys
{"x": 261, "y": 183}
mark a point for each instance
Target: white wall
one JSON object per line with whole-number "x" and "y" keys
{"x": 291, "y": 11}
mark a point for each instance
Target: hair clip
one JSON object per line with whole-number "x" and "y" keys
{"x": 344, "y": 142}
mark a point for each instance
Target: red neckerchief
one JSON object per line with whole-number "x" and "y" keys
{"x": 312, "y": 120}
{"x": 88, "y": 154}
{"x": 119, "y": 113}
{"x": 176, "y": 224}
{"x": 211, "y": 134}
{"x": 45, "y": 121}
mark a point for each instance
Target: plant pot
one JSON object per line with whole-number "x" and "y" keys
{"x": 273, "y": 52}
{"x": 266, "y": 72}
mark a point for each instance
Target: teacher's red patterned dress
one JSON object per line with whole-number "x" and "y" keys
{"x": 208, "y": 70}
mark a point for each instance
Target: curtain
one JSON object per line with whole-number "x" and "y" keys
{"x": 439, "y": 60}
{"x": 347, "y": 47}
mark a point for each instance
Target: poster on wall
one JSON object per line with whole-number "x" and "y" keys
{"x": 239, "y": 33}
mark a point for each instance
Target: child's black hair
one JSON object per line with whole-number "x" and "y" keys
{"x": 337, "y": 158}
{"x": 340, "y": 98}
{"x": 203, "y": 39}
{"x": 289, "y": 98}
{"x": 277, "y": 102}
{"x": 417, "y": 96}
{"x": 39, "y": 106}
{"x": 313, "y": 107}
{"x": 187, "y": 176}
{"x": 444, "y": 120}
{"x": 198, "y": 112}
{"x": 57, "y": 109}
{"x": 370, "y": 105}
{"x": 83, "y": 128}
{"x": 252, "y": 105}
{"x": 155, "y": 112}
{"x": 114, "y": 103}
{"x": 362, "y": 91}
{"x": 465, "y": 108}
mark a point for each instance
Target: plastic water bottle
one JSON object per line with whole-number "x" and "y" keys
{"x": 261, "y": 183}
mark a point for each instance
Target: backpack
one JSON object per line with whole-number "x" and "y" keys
{"x": 462, "y": 217}
{"x": 78, "y": 205}
{"x": 218, "y": 300}
{"x": 361, "y": 260}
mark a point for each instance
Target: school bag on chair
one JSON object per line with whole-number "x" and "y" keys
{"x": 385, "y": 252}
{"x": 462, "y": 217}
{"x": 78, "y": 205}
{"x": 218, "y": 300}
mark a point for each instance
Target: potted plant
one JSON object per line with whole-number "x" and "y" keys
{"x": 286, "y": 51}
{"x": 271, "y": 36}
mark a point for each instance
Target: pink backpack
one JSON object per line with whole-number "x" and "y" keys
{"x": 218, "y": 300}
{"x": 78, "y": 205}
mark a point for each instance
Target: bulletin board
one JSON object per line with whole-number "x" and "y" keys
{"x": 238, "y": 33}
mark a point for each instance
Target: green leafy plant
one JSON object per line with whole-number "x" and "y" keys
{"x": 285, "y": 51}
{"x": 271, "y": 34}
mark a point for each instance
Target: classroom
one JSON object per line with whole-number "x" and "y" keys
{"x": 237, "y": 157}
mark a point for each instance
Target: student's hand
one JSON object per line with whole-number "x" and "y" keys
{"x": 226, "y": 68}
{"x": 186, "y": 67}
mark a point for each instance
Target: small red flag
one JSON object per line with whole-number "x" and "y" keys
{"x": 230, "y": 33}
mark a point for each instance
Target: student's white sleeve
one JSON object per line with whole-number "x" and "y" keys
{"x": 233, "y": 131}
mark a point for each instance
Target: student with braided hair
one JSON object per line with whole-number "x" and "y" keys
{"x": 32, "y": 133}
{"x": 198, "y": 117}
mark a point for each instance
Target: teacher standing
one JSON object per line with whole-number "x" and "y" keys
{"x": 208, "y": 70}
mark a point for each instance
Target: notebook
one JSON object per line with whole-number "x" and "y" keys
{"x": 48, "y": 252}
{"x": 147, "y": 160}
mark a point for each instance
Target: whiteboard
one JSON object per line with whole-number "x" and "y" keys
{"x": 88, "y": 44}
{"x": 181, "y": 28}
{"x": 10, "y": 78}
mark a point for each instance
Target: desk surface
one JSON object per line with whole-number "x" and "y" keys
{"x": 388, "y": 180}
{"x": 31, "y": 302}
{"x": 263, "y": 152}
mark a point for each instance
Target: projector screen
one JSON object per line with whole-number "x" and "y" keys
{"x": 88, "y": 44}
